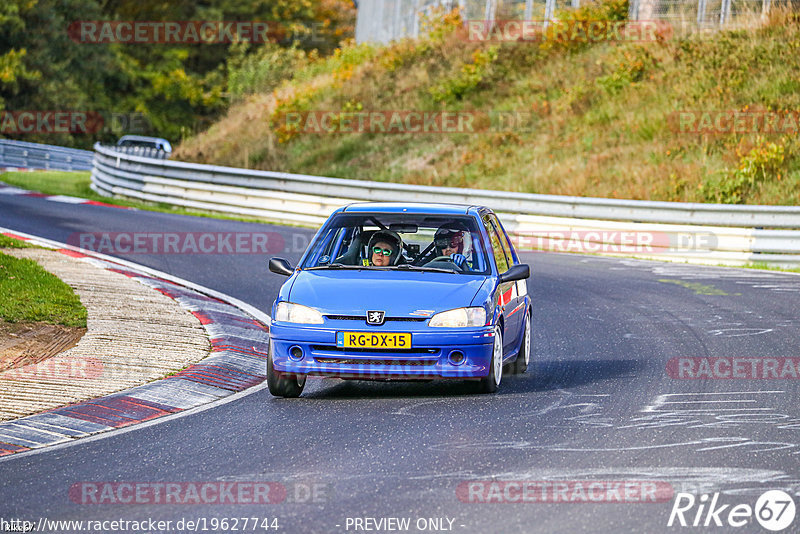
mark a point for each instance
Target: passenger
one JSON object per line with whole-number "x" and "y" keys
{"x": 451, "y": 241}
{"x": 384, "y": 248}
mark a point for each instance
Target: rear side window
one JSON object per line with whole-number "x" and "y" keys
{"x": 503, "y": 240}
{"x": 497, "y": 247}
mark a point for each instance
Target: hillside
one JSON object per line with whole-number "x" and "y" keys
{"x": 592, "y": 119}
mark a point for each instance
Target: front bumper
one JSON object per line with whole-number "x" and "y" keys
{"x": 428, "y": 357}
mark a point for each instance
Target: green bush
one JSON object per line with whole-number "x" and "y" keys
{"x": 341, "y": 64}
{"x": 733, "y": 186}
{"x": 629, "y": 66}
{"x": 468, "y": 78}
{"x": 264, "y": 70}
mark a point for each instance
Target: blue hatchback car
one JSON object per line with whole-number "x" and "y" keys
{"x": 405, "y": 292}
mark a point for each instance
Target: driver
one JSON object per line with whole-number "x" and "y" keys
{"x": 451, "y": 240}
{"x": 384, "y": 248}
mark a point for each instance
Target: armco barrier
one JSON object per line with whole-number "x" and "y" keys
{"x": 697, "y": 233}
{"x": 21, "y": 154}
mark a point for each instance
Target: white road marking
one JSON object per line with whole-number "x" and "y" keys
{"x": 66, "y": 199}
{"x": 664, "y": 400}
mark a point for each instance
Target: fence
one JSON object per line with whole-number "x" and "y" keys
{"x": 382, "y": 21}
{"x": 20, "y": 154}
{"x": 730, "y": 233}
{"x": 688, "y": 15}
{"x": 386, "y": 20}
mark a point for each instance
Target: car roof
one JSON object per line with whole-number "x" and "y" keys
{"x": 408, "y": 207}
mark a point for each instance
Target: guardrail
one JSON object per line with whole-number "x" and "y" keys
{"x": 21, "y": 154}
{"x": 697, "y": 233}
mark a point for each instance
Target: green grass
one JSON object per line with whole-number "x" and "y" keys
{"x": 699, "y": 289}
{"x": 76, "y": 184}
{"x": 10, "y": 242}
{"x": 31, "y": 294}
{"x": 767, "y": 267}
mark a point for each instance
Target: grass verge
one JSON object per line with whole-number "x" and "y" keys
{"x": 766, "y": 267}
{"x": 77, "y": 183}
{"x": 31, "y": 294}
{"x": 10, "y": 242}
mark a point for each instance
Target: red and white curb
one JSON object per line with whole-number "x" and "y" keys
{"x": 64, "y": 199}
{"x": 239, "y": 336}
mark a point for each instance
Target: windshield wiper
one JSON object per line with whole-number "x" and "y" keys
{"x": 335, "y": 266}
{"x": 407, "y": 267}
{"x": 404, "y": 267}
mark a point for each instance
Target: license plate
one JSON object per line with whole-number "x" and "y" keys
{"x": 370, "y": 340}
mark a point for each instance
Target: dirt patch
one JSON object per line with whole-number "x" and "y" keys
{"x": 26, "y": 343}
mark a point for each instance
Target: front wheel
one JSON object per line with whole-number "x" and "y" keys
{"x": 283, "y": 385}
{"x": 520, "y": 365}
{"x": 490, "y": 382}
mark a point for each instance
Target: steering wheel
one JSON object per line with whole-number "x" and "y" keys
{"x": 445, "y": 258}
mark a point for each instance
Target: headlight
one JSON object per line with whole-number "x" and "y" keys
{"x": 459, "y": 318}
{"x": 295, "y": 313}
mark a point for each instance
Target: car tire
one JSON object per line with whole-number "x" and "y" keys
{"x": 490, "y": 382}
{"x": 520, "y": 365}
{"x": 283, "y": 385}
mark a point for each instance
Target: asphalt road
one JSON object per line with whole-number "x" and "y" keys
{"x": 597, "y": 405}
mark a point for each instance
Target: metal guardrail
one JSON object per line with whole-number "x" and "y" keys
{"x": 26, "y": 155}
{"x": 700, "y": 233}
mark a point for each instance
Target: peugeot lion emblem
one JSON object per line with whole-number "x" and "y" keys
{"x": 375, "y": 317}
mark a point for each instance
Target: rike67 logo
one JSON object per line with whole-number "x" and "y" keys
{"x": 774, "y": 510}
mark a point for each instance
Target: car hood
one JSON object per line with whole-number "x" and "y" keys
{"x": 399, "y": 293}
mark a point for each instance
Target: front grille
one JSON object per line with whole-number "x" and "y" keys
{"x": 353, "y": 361}
{"x": 334, "y": 348}
{"x": 386, "y": 320}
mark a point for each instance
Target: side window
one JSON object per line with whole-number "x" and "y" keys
{"x": 497, "y": 247}
{"x": 503, "y": 239}
{"x": 327, "y": 245}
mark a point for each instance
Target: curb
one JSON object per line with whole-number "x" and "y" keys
{"x": 239, "y": 336}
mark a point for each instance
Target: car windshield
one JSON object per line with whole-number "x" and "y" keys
{"x": 430, "y": 242}
{"x": 144, "y": 144}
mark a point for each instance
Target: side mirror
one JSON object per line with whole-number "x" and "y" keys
{"x": 281, "y": 266}
{"x": 517, "y": 272}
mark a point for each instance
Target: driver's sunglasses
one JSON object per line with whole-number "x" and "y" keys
{"x": 449, "y": 242}
{"x": 382, "y": 251}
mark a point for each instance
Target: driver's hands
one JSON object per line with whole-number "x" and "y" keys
{"x": 458, "y": 259}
